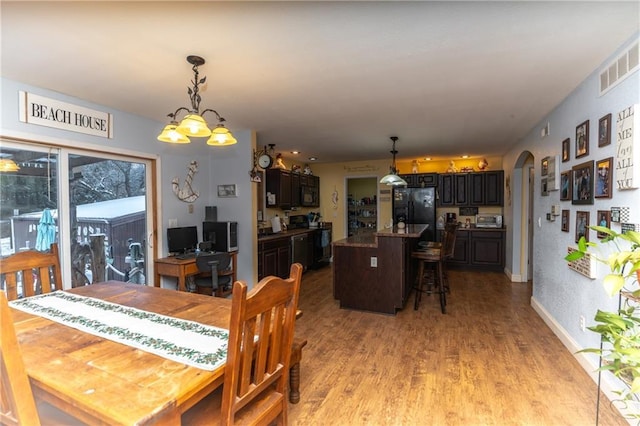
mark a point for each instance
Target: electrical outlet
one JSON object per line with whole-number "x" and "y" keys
{"x": 374, "y": 262}
{"x": 173, "y": 223}
{"x": 583, "y": 325}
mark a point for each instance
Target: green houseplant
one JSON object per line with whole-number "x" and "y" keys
{"x": 619, "y": 331}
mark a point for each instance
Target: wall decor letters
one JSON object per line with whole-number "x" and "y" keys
{"x": 627, "y": 163}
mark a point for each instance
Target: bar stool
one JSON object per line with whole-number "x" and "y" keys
{"x": 431, "y": 267}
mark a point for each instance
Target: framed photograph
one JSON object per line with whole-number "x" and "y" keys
{"x": 227, "y": 191}
{"x": 582, "y": 177}
{"x": 565, "y": 186}
{"x": 544, "y": 190}
{"x": 565, "y": 221}
{"x": 566, "y": 150}
{"x": 604, "y": 169}
{"x": 604, "y": 130}
{"x": 553, "y": 173}
{"x": 544, "y": 169}
{"x": 582, "y": 139}
{"x": 582, "y": 225}
{"x": 604, "y": 219}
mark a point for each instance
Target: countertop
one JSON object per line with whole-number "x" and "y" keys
{"x": 286, "y": 234}
{"x": 370, "y": 240}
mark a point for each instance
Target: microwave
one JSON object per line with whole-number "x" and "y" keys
{"x": 309, "y": 196}
{"x": 488, "y": 221}
{"x": 222, "y": 236}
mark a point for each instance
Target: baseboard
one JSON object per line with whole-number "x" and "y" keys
{"x": 514, "y": 278}
{"x": 607, "y": 383}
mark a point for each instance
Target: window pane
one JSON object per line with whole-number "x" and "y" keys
{"x": 108, "y": 220}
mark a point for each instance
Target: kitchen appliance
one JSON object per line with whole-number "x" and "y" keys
{"x": 488, "y": 221}
{"x": 222, "y": 235}
{"x": 298, "y": 221}
{"x": 300, "y": 250}
{"x": 308, "y": 196}
{"x": 416, "y": 205}
{"x": 451, "y": 217}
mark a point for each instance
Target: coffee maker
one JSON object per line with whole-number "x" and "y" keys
{"x": 451, "y": 217}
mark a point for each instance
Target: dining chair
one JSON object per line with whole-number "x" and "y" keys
{"x": 214, "y": 273}
{"x": 256, "y": 373}
{"x": 37, "y": 272}
{"x": 17, "y": 404}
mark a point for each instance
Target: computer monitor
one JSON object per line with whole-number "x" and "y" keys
{"x": 183, "y": 239}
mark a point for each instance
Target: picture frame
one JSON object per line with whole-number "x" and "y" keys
{"x": 566, "y": 150}
{"x": 544, "y": 190}
{"x": 582, "y": 177}
{"x": 582, "y": 139}
{"x": 564, "y": 222}
{"x": 615, "y": 214}
{"x": 544, "y": 166}
{"x": 566, "y": 186}
{"x": 227, "y": 190}
{"x": 604, "y": 219}
{"x": 604, "y": 130}
{"x": 603, "y": 178}
{"x": 582, "y": 225}
{"x": 553, "y": 173}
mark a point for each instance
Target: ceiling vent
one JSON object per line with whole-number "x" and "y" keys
{"x": 620, "y": 68}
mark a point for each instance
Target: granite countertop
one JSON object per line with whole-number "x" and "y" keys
{"x": 366, "y": 240}
{"x": 371, "y": 240}
{"x": 285, "y": 234}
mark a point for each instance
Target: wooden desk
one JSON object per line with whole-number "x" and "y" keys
{"x": 104, "y": 382}
{"x": 182, "y": 268}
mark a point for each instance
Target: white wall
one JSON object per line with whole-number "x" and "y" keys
{"x": 135, "y": 134}
{"x": 559, "y": 294}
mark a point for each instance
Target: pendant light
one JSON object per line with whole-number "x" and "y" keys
{"x": 193, "y": 124}
{"x": 392, "y": 179}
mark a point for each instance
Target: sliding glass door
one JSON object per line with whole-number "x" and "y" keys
{"x": 96, "y": 202}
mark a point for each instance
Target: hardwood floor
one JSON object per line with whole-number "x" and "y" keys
{"x": 490, "y": 360}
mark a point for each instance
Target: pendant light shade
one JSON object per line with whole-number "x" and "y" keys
{"x": 194, "y": 124}
{"x": 8, "y": 165}
{"x": 392, "y": 179}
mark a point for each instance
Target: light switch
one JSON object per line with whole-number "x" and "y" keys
{"x": 374, "y": 262}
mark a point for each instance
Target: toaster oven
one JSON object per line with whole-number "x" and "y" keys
{"x": 488, "y": 221}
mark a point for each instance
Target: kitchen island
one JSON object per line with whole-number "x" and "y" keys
{"x": 375, "y": 272}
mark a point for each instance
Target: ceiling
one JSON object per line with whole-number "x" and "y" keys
{"x": 331, "y": 79}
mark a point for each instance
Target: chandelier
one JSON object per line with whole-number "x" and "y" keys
{"x": 392, "y": 178}
{"x": 193, "y": 124}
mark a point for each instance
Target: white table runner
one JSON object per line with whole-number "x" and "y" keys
{"x": 192, "y": 343}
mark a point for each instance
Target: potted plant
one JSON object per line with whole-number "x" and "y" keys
{"x": 619, "y": 331}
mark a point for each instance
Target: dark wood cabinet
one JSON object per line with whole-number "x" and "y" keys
{"x": 453, "y": 189}
{"x": 274, "y": 258}
{"x": 420, "y": 180}
{"x": 279, "y": 185}
{"x": 479, "y": 249}
{"x": 295, "y": 190}
{"x": 471, "y": 189}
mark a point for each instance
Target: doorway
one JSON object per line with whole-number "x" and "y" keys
{"x": 522, "y": 199}
{"x": 362, "y": 205}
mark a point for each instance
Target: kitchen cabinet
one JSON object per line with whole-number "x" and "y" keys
{"x": 479, "y": 249}
{"x": 420, "y": 180}
{"x": 453, "y": 189}
{"x": 471, "y": 189}
{"x": 295, "y": 190}
{"x": 274, "y": 257}
{"x": 279, "y": 186}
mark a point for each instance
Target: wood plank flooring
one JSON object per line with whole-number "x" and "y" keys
{"x": 490, "y": 360}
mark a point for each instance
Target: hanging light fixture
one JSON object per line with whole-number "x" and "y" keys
{"x": 193, "y": 124}
{"x": 392, "y": 178}
{"x": 8, "y": 165}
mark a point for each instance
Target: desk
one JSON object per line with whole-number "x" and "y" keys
{"x": 104, "y": 382}
{"x": 182, "y": 268}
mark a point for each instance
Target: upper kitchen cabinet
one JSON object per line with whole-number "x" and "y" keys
{"x": 471, "y": 189}
{"x": 420, "y": 180}
{"x": 287, "y": 189}
{"x": 279, "y": 188}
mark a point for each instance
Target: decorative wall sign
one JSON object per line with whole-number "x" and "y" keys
{"x": 186, "y": 193}
{"x": 582, "y": 176}
{"x": 553, "y": 173}
{"x": 603, "y": 185}
{"x": 585, "y": 266}
{"x": 36, "y": 109}
{"x": 615, "y": 214}
{"x": 582, "y": 139}
{"x": 628, "y": 152}
{"x": 629, "y": 227}
{"x": 604, "y": 130}
{"x": 544, "y": 166}
{"x": 582, "y": 225}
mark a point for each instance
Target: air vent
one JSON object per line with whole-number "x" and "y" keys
{"x": 620, "y": 68}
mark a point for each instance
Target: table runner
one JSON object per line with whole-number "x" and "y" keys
{"x": 189, "y": 342}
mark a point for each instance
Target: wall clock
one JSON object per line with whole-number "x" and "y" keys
{"x": 265, "y": 161}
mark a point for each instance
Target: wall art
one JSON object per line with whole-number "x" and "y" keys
{"x": 582, "y": 177}
{"x": 604, "y": 130}
{"x": 586, "y": 266}
{"x": 544, "y": 166}
{"x": 553, "y": 173}
{"x": 227, "y": 191}
{"x": 582, "y": 139}
{"x": 603, "y": 185}
{"x": 566, "y": 150}
{"x": 565, "y": 221}
{"x": 628, "y": 152}
{"x": 582, "y": 225}
{"x": 565, "y": 185}
{"x": 604, "y": 219}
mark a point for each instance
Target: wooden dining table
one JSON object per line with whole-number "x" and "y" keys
{"x": 101, "y": 381}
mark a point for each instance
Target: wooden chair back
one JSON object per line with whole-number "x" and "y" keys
{"x": 449, "y": 244}
{"x": 39, "y": 272}
{"x": 260, "y": 338}
{"x": 17, "y": 405}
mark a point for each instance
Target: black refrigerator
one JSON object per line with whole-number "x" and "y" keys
{"x": 416, "y": 205}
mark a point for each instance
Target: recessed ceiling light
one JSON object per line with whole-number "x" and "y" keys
{"x": 465, "y": 156}
{"x": 295, "y": 152}
{"x": 313, "y": 158}
{"x": 427, "y": 158}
